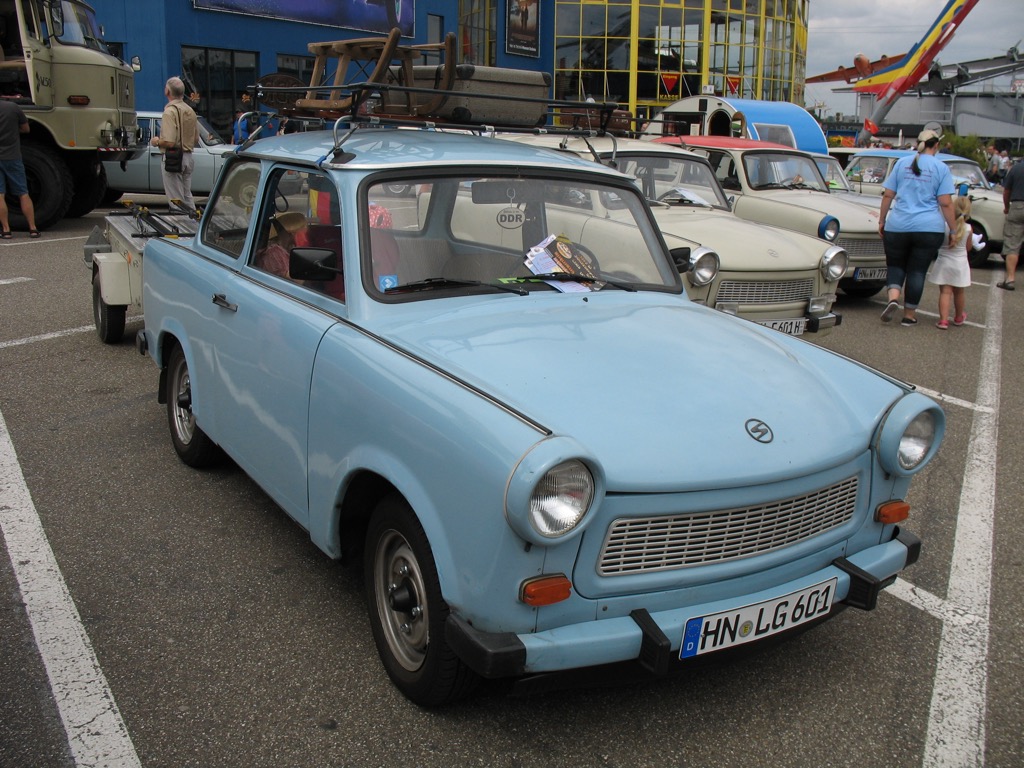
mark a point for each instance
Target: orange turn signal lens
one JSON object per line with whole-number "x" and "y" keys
{"x": 545, "y": 590}
{"x": 892, "y": 512}
{"x": 78, "y": 101}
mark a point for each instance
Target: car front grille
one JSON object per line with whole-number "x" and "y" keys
{"x": 765, "y": 292}
{"x": 645, "y": 545}
{"x": 862, "y": 247}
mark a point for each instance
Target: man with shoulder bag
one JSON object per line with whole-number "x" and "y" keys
{"x": 179, "y": 134}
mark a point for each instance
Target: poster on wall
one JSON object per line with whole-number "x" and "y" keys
{"x": 521, "y": 27}
{"x": 379, "y": 16}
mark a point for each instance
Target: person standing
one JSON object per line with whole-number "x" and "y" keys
{"x": 13, "y": 123}
{"x": 178, "y": 126}
{"x": 914, "y": 227}
{"x": 1013, "y": 229}
{"x": 951, "y": 271}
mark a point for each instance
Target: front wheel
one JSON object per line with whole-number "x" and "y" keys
{"x": 191, "y": 444}
{"x": 407, "y": 611}
{"x": 109, "y": 319}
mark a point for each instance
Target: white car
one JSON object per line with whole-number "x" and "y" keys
{"x": 869, "y": 168}
{"x": 778, "y": 278}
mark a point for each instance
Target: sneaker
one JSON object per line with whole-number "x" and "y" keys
{"x": 960, "y": 319}
{"x": 942, "y": 325}
{"x": 908, "y": 321}
{"x": 889, "y": 311}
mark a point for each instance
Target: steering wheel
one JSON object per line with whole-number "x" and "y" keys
{"x": 588, "y": 256}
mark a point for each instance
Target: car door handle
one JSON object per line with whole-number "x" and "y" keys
{"x": 222, "y": 301}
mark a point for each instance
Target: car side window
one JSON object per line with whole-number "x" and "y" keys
{"x": 868, "y": 169}
{"x": 230, "y": 213}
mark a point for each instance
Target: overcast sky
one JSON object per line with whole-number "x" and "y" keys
{"x": 840, "y": 29}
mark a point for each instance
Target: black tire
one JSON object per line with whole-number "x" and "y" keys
{"x": 191, "y": 444}
{"x": 978, "y": 258}
{"x": 90, "y": 187}
{"x": 50, "y": 185}
{"x": 407, "y": 611}
{"x": 398, "y": 190}
{"x": 111, "y": 196}
{"x": 109, "y": 319}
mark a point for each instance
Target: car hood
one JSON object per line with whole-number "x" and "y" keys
{"x": 853, "y": 217}
{"x": 741, "y": 245}
{"x": 660, "y": 391}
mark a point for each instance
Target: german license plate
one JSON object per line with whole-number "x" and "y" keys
{"x": 794, "y": 327}
{"x": 704, "y": 634}
{"x": 869, "y": 273}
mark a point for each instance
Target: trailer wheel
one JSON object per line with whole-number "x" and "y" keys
{"x": 49, "y": 185}
{"x": 109, "y": 319}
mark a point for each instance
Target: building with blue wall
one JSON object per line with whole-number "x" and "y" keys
{"x": 644, "y": 54}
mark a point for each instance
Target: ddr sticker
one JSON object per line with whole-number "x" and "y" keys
{"x": 511, "y": 218}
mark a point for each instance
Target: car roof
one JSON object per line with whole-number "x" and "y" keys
{"x": 898, "y": 153}
{"x": 723, "y": 142}
{"x": 375, "y": 148}
{"x": 603, "y": 144}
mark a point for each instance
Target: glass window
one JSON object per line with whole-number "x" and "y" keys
{"x": 227, "y": 220}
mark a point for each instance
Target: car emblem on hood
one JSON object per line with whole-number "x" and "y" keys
{"x": 760, "y": 431}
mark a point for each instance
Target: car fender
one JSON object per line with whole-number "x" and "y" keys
{"x": 778, "y": 214}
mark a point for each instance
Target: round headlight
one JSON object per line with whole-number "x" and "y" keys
{"x": 833, "y": 263}
{"x": 910, "y": 434}
{"x": 829, "y": 228}
{"x": 917, "y": 440}
{"x": 561, "y": 499}
{"x": 704, "y": 266}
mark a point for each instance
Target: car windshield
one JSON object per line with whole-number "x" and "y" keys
{"x": 773, "y": 170}
{"x": 431, "y": 236}
{"x": 209, "y": 133}
{"x": 833, "y": 173}
{"x": 678, "y": 180}
{"x": 80, "y": 26}
{"x": 965, "y": 170}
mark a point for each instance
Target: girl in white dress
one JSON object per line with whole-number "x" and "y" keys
{"x": 951, "y": 271}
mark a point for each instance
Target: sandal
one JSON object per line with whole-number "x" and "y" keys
{"x": 34, "y": 234}
{"x": 6, "y": 234}
{"x": 942, "y": 325}
{"x": 1006, "y": 285}
{"x": 960, "y": 319}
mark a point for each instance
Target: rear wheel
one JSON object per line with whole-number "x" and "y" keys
{"x": 109, "y": 319}
{"x": 191, "y": 444}
{"x": 407, "y": 611}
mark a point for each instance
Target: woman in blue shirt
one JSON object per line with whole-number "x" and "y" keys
{"x": 918, "y": 223}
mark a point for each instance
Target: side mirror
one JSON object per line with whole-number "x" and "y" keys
{"x": 136, "y": 64}
{"x": 56, "y": 19}
{"x": 681, "y": 259}
{"x": 313, "y": 264}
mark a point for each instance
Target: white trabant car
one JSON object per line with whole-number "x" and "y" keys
{"x": 778, "y": 185}
{"x": 870, "y": 167}
{"x": 778, "y": 278}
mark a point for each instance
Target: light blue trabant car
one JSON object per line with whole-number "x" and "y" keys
{"x": 544, "y": 455}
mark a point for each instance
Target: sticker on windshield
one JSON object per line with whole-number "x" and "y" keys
{"x": 387, "y": 282}
{"x": 511, "y": 218}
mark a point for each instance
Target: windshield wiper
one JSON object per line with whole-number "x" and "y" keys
{"x": 578, "y": 278}
{"x": 447, "y": 282}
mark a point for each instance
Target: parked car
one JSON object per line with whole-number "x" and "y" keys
{"x": 779, "y": 278}
{"x": 781, "y": 186}
{"x": 503, "y": 404}
{"x": 870, "y": 167}
{"x": 832, "y": 171}
{"x": 143, "y": 174}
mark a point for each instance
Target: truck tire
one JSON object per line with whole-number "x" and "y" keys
{"x": 49, "y": 186}
{"x": 109, "y": 319}
{"x": 90, "y": 187}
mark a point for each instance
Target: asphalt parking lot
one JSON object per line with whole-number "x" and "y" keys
{"x": 189, "y": 622}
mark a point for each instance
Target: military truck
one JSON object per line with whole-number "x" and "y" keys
{"x": 79, "y": 100}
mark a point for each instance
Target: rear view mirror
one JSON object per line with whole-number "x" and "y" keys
{"x": 313, "y": 264}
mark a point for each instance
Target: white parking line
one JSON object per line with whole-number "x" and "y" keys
{"x": 13, "y": 280}
{"x": 956, "y": 718}
{"x": 96, "y": 733}
{"x": 44, "y": 337}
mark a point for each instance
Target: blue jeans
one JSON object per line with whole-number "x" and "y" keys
{"x": 907, "y": 258}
